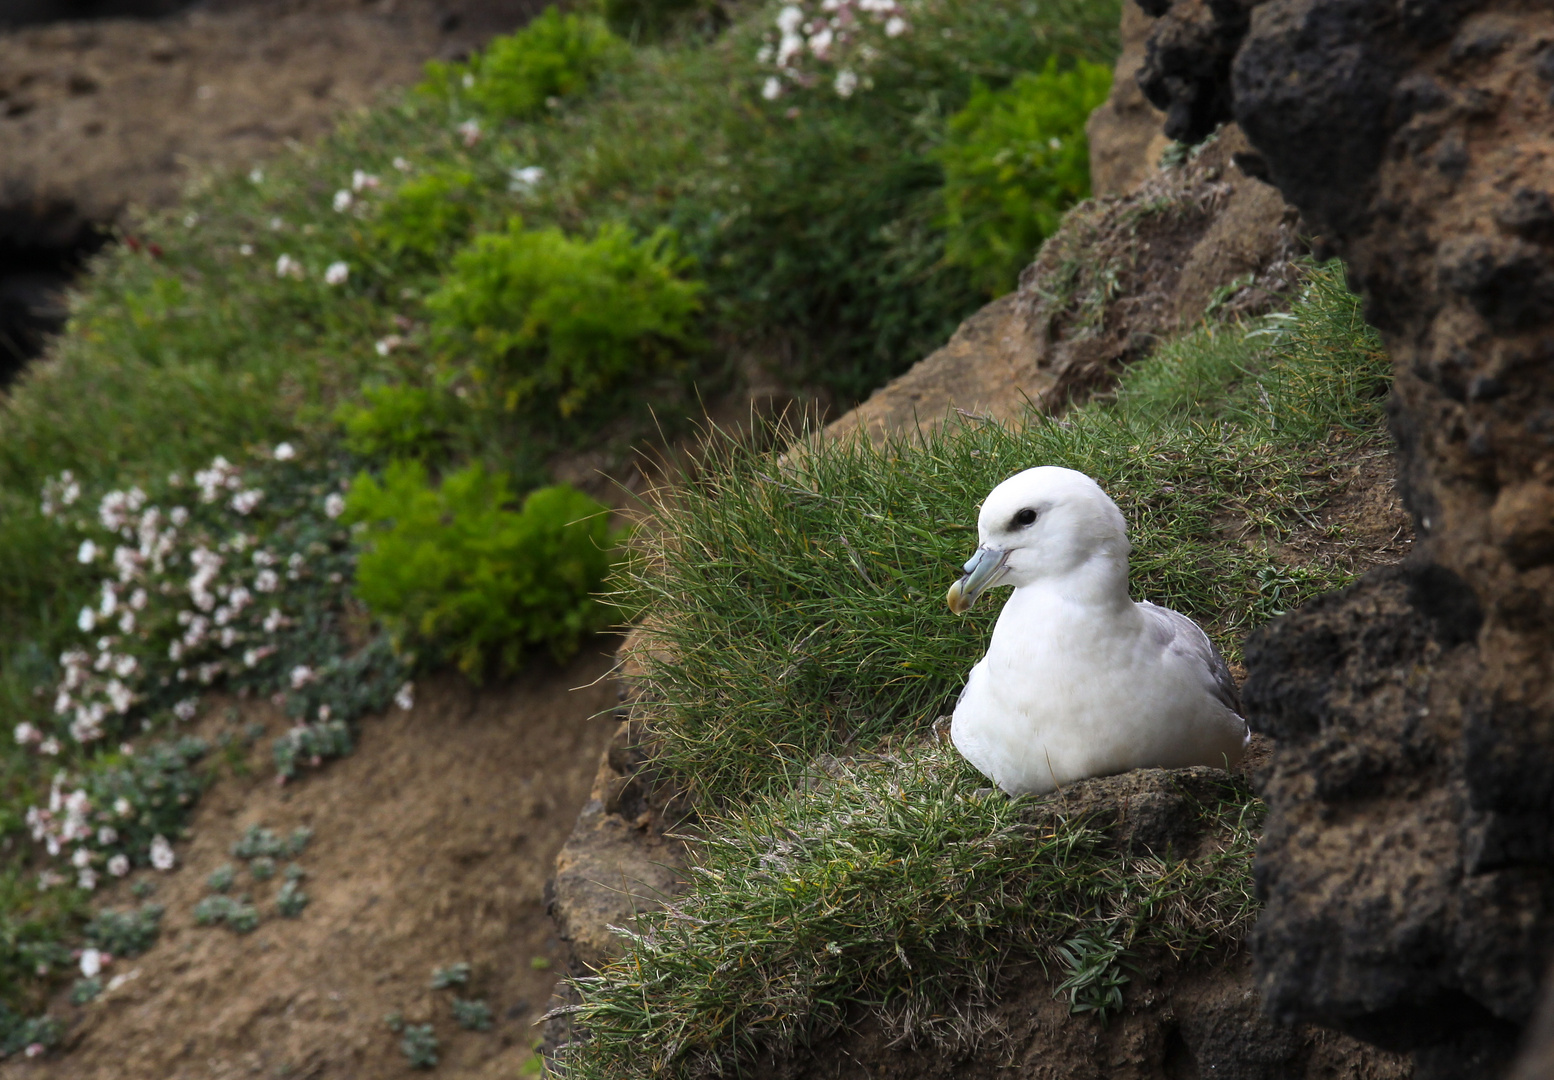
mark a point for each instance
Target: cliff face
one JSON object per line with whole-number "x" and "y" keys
{"x": 1408, "y": 868}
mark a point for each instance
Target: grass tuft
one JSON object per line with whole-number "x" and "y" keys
{"x": 890, "y": 883}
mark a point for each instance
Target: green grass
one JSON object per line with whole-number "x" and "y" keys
{"x": 799, "y": 608}
{"x": 894, "y": 885}
{"x": 847, "y": 860}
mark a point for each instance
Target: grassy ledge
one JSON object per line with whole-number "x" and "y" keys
{"x": 796, "y": 609}
{"x": 800, "y": 652}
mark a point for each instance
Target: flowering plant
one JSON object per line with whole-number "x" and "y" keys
{"x": 236, "y": 577}
{"x": 815, "y": 41}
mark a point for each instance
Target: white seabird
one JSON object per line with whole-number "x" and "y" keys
{"x": 1079, "y": 680}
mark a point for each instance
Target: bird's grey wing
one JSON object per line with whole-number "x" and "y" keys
{"x": 1186, "y": 639}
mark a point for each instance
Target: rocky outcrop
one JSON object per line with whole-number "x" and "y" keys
{"x": 1409, "y": 865}
{"x": 1125, "y": 133}
{"x": 1123, "y": 274}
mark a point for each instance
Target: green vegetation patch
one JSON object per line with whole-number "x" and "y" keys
{"x": 800, "y": 650}
{"x": 455, "y": 570}
{"x": 1015, "y": 160}
{"x": 796, "y": 608}
{"x": 892, "y": 883}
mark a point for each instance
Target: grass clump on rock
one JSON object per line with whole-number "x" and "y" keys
{"x": 799, "y": 651}
{"x": 795, "y": 608}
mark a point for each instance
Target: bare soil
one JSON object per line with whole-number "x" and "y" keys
{"x": 431, "y": 845}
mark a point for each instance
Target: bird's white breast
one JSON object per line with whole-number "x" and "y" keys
{"x": 1069, "y": 690}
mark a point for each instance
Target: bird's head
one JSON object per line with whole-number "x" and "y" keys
{"x": 1047, "y": 522}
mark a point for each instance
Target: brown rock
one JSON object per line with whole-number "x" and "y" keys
{"x": 1408, "y": 867}
{"x": 1122, "y": 274}
{"x": 1125, "y": 137}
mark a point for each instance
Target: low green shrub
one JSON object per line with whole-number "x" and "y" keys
{"x": 544, "y": 312}
{"x": 428, "y": 215}
{"x": 452, "y": 571}
{"x": 1014, "y": 161}
{"x": 393, "y": 421}
{"x": 517, "y": 76}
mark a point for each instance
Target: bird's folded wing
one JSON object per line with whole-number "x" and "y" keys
{"x": 1186, "y": 639}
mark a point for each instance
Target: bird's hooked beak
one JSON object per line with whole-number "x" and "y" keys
{"x": 981, "y": 573}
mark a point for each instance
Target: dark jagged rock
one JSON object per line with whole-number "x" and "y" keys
{"x": 1409, "y": 862}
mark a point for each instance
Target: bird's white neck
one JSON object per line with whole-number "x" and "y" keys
{"x": 1099, "y": 585}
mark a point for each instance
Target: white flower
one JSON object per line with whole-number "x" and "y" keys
{"x": 245, "y": 249}
{"x": 256, "y": 176}
{"x": 175, "y": 650}
{"x": 86, "y": 552}
{"x": 334, "y": 505}
{"x": 122, "y": 807}
{"x": 186, "y": 708}
{"x": 846, "y": 82}
{"x": 405, "y": 696}
{"x": 228, "y": 637}
{"x": 789, "y": 18}
{"x": 286, "y": 266}
{"x": 336, "y": 273}
{"x": 107, "y": 835}
{"x": 244, "y": 501}
{"x": 789, "y": 47}
{"x": 162, "y": 853}
{"x": 49, "y": 746}
{"x": 124, "y": 666}
{"x": 820, "y": 44}
{"x": 895, "y": 26}
{"x": 301, "y": 675}
{"x": 323, "y": 714}
{"x": 87, "y": 879}
{"x": 401, "y": 164}
{"x": 118, "y": 865}
{"x": 266, "y": 581}
{"x": 771, "y": 90}
{"x": 343, "y": 201}
{"x": 285, "y": 452}
{"x": 384, "y": 346}
{"x": 120, "y": 696}
{"x": 137, "y": 600}
{"x": 526, "y": 179}
{"x": 361, "y": 181}
{"x": 26, "y": 733}
{"x": 469, "y": 130}
{"x": 274, "y": 621}
{"x": 763, "y": 55}
{"x": 178, "y": 516}
{"x": 91, "y": 963}
{"x": 86, "y": 620}
{"x": 81, "y": 859}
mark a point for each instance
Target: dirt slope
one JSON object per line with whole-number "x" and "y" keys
{"x": 431, "y": 845}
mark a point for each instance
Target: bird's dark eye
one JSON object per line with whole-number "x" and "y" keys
{"x": 1025, "y": 517}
